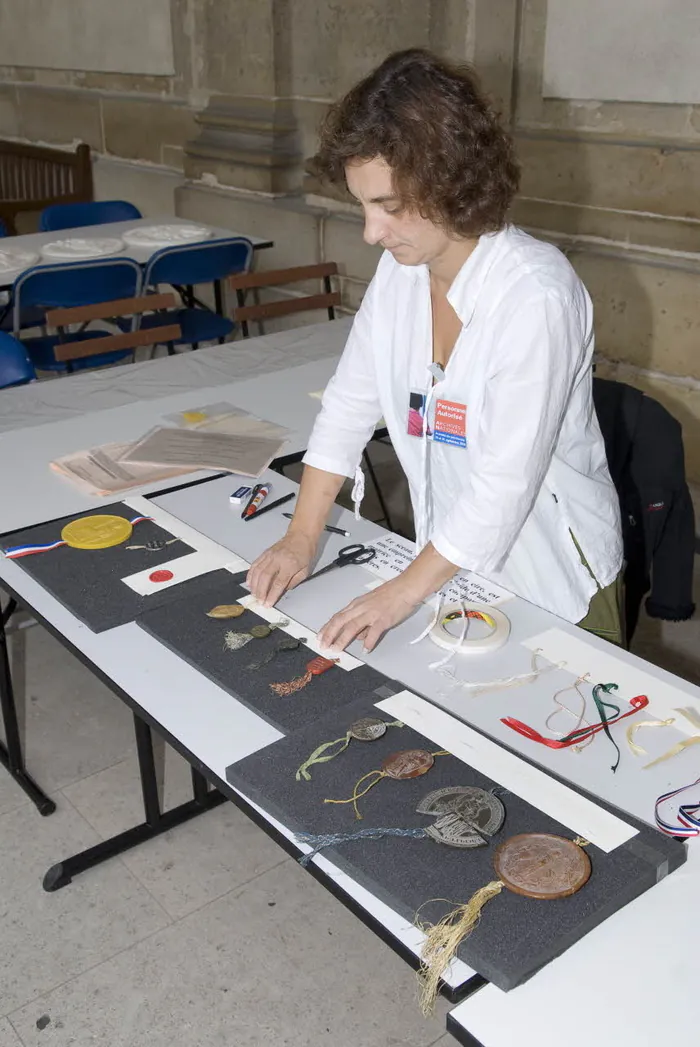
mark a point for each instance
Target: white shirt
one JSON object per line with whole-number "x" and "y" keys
{"x": 534, "y": 470}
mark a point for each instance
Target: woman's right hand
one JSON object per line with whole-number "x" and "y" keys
{"x": 281, "y": 567}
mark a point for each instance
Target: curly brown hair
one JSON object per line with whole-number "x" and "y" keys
{"x": 428, "y": 119}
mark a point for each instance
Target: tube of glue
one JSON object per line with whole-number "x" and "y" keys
{"x": 259, "y": 495}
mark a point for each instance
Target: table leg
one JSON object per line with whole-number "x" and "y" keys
{"x": 156, "y": 821}
{"x": 11, "y": 755}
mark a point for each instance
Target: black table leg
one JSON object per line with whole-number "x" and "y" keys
{"x": 11, "y": 755}
{"x": 157, "y": 821}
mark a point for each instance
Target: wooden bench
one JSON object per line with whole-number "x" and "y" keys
{"x": 32, "y": 177}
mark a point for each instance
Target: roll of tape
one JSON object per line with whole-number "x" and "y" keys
{"x": 499, "y": 624}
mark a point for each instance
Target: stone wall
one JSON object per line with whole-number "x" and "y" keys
{"x": 221, "y": 134}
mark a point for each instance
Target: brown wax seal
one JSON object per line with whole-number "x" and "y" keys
{"x": 540, "y": 865}
{"x": 409, "y": 763}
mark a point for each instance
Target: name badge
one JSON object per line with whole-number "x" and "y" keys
{"x": 450, "y": 423}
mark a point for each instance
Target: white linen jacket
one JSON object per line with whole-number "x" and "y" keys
{"x": 534, "y": 470}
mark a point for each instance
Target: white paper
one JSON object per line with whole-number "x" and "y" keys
{"x": 271, "y": 614}
{"x": 249, "y": 455}
{"x": 179, "y": 529}
{"x": 581, "y": 815}
{"x": 191, "y": 565}
{"x": 225, "y": 418}
{"x": 582, "y": 657}
{"x": 394, "y": 554}
{"x": 100, "y": 470}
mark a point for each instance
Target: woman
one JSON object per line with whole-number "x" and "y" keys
{"x": 474, "y": 342}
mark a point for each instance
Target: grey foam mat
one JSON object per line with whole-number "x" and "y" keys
{"x": 186, "y": 630}
{"x": 88, "y": 582}
{"x": 517, "y": 935}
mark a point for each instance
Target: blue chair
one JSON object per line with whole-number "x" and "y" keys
{"x": 15, "y": 366}
{"x": 66, "y": 286}
{"x": 97, "y": 212}
{"x": 203, "y": 263}
{"x": 3, "y": 230}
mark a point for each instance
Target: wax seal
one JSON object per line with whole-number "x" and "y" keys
{"x": 540, "y": 865}
{"x": 259, "y": 632}
{"x": 409, "y": 763}
{"x": 367, "y": 729}
{"x": 160, "y": 576}
{"x": 320, "y": 665}
{"x": 226, "y": 610}
{"x": 479, "y": 809}
{"x": 96, "y": 532}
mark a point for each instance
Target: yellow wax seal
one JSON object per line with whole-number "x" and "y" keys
{"x": 192, "y": 417}
{"x": 96, "y": 532}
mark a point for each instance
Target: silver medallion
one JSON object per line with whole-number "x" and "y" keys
{"x": 467, "y": 815}
{"x": 368, "y": 729}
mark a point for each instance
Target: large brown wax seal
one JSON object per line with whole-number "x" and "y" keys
{"x": 540, "y": 865}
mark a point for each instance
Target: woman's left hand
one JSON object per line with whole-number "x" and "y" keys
{"x": 369, "y": 616}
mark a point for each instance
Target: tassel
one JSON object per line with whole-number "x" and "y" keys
{"x": 235, "y": 641}
{"x": 314, "y": 668}
{"x": 445, "y": 937}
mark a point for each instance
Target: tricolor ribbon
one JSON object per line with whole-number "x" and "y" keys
{"x": 687, "y": 815}
{"x": 18, "y": 551}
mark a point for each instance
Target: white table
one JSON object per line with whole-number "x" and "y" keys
{"x": 161, "y": 693}
{"x": 35, "y": 241}
{"x": 284, "y": 368}
{"x": 630, "y": 983}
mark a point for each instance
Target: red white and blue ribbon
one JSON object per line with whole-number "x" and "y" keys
{"x": 687, "y": 815}
{"x": 18, "y": 551}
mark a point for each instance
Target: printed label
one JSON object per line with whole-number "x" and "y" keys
{"x": 450, "y": 423}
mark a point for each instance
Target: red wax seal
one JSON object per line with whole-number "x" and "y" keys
{"x": 320, "y": 665}
{"x": 160, "y": 576}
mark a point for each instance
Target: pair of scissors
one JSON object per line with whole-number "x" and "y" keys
{"x": 349, "y": 554}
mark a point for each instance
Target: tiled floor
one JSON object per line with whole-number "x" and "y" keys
{"x": 206, "y": 936}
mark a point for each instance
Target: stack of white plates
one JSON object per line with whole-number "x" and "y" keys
{"x": 16, "y": 261}
{"x": 166, "y": 235}
{"x": 87, "y": 247}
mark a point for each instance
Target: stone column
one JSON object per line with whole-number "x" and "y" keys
{"x": 248, "y": 133}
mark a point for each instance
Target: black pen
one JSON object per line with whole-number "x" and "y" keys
{"x": 328, "y": 527}
{"x": 272, "y": 505}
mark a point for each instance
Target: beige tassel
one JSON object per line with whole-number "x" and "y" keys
{"x": 445, "y": 937}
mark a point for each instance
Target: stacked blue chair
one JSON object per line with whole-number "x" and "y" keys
{"x": 65, "y": 286}
{"x": 15, "y": 366}
{"x": 97, "y": 212}
{"x": 185, "y": 267}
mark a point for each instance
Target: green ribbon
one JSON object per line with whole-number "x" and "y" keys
{"x": 602, "y": 706}
{"x": 318, "y": 757}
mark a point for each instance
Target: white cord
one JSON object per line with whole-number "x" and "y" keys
{"x": 358, "y": 491}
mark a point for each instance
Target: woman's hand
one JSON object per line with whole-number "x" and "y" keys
{"x": 369, "y": 616}
{"x": 281, "y": 567}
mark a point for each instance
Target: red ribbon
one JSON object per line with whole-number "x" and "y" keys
{"x": 640, "y": 702}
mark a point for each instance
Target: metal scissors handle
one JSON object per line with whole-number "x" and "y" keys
{"x": 349, "y": 554}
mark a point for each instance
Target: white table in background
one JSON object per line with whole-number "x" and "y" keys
{"x": 271, "y": 377}
{"x": 35, "y": 241}
{"x": 70, "y": 397}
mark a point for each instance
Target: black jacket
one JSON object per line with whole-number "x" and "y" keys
{"x": 644, "y": 447}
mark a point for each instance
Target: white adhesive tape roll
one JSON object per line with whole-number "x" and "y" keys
{"x": 499, "y": 624}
